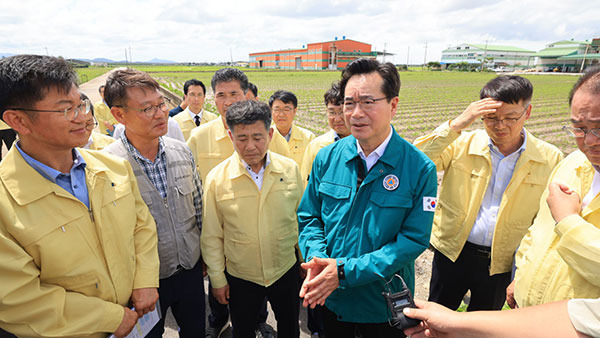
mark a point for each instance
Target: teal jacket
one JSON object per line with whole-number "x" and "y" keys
{"x": 375, "y": 232}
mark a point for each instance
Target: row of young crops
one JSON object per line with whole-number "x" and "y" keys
{"x": 427, "y": 99}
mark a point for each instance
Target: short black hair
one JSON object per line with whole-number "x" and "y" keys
{"x": 509, "y": 89}
{"x": 248, "y": 112}
{"x": 228, "y": 75}
{"x": 332, "y": 95}
{"x": 26, "y": 79}
{"x": 389, "y": 73}
{"x": 253, "y": 89}
{"x": 100, "y": 88}
{"x": 590, "y": 81}
{"x": 285, "y": 97}
{"x": 193, "y": 82}
{"x": 115, "y": 93}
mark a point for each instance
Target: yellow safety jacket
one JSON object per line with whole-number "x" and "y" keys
{"x": 466, "y": 161}
{"x": 66, "y": 270}
{"x": 561, "y": 260}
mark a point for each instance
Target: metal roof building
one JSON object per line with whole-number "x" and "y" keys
{"x": 566, "y": 55}
{"x": 499, "y": 55}
{"x": 334, "y": 54}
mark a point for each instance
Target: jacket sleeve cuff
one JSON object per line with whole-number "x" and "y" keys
{"x": 444, "y": 130}
{"x": 145, "y": 278}
{"x": 218, "y": 280}
{"x": 566, "y": 223}
{"x": 111, "y": 318}
{"x": 315, "y": 254}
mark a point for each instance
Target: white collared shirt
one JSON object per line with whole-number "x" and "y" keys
{"x": 257, "y": 177}
{"x": 194, "y": 115}
{"x": 503, "y": 168}
{"x": 375, "y": 154}
{"x": 594, "y": 190}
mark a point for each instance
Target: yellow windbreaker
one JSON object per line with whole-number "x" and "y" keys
{"x": 67, "y": 271}
{"x": 186, "y": 123}
{"x": 103, "y": 114}
{"x": 311, "y": 152}
{"x": 562, "y": 261}
{"x": 251, "y": 232}
{"x": 466, "y": 161}
{"x": 299, "y": 139}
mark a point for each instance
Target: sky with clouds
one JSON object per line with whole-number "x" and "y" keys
{"x": 201, "y": 30}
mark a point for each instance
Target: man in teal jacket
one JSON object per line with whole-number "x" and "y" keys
{"x": 367, "y": 211}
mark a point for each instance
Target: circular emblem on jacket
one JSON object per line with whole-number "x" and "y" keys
{"x": 390, "y": 182}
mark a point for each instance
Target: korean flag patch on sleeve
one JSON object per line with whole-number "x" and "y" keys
{"x": 429, "y": 203}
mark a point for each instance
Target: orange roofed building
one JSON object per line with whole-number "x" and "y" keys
{"x": 321, "y": 55}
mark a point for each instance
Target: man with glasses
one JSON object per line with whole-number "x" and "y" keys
{"x": 77, "y": 243}
{"x": 96, "y": 141}
{"x": 194, "y": 115}
{"x": 362, "y": 217}
{"x": 335, "y": 120}
{"x": 170, "y": 186}
{"x": 284, "y": 105}
{"x": 493, "y": 180}
{"x": 559, "y": 258}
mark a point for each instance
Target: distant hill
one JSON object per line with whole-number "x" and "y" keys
{"x": 104, "y": 60}
{"x": 160, "y": 61}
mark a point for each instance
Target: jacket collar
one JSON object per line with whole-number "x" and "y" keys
{"x": 238, "y": 169}
{"x": 296, "y": 133}
{"x": 480, "y": 146}
{"x": 220, "y": 130}
{"x": 389, "y": 157}
{"x": 26, "y": 185}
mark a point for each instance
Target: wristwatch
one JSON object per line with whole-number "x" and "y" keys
{"x": 340, "y": 270}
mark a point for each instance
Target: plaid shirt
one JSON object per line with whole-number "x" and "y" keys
{"x": 157, "y": 173}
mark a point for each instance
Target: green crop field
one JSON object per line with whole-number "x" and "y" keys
{"x": 88, "y": 73}
{"x": 427, "y": 98}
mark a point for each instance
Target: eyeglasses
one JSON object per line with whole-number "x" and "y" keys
{"x": 580, "y": 132}
{"x": 366, "y": 104}
{"x": 333, "y": 113}
{"x": 509, "y": 122}
{"x": 91, "y": 124}
{"x": 70, "y": 113}
{"x": 282, "y": 110}
{"x": 151, "y": 109}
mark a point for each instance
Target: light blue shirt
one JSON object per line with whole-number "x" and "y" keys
{"x": 73, "y": 182}
{"x": 503, "y": 167}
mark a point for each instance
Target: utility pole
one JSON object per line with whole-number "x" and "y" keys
{"x": 384, "y": 47}
{"x": 407, "y": 57}
{"x": 484, "y": 55}
{"x": 584, "y": 55}
{"x": 425, "y": 57}
{"x": 46, "y": 50}
{"x": 126, "y": 61}
{"x": 231, "y": 56}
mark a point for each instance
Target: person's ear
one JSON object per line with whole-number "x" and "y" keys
{"x": 19, "y": 121}
{"x": 119, "y": 114}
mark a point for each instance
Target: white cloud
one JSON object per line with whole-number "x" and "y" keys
{"x": 192, "y": 30}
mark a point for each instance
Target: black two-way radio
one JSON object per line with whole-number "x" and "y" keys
{"x": 397, "y": 301}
